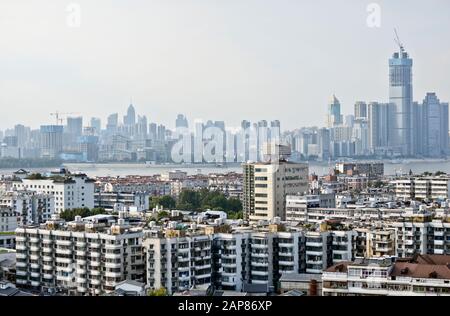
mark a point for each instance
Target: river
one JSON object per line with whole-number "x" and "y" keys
{"x": 123, "y": 169}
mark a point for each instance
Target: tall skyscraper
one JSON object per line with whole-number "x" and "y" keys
{"x": 181, "y": 121}
{"x": 74, "y": 126}
{"x": 112, "y": 123}
{"x": 51, "y": 140}
{"x": 22, "y": 133}
{"x": 141, "y": 128}
{"x": 96, "y": 123}
{"x": 360, "y": 110}
{"x": 334, "y": 116}
{"x": 130, "y": 118}
{"x": 401, "y": 96}
{"x": 378, "y": 127}
{"x": 434, "y": 126}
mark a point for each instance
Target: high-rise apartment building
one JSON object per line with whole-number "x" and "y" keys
{"x": 378, "y": 127}
{"x": 334, "y": 116}
{"x": 401, "y": 97}
{"x": 84, "y": 257}
{"x": 360, "y": 110}
{"x": 51, "y": 142}
{"x": 266, "y": 186}
{"x": 96, "y": 124}
{"x": 70, "y": 190}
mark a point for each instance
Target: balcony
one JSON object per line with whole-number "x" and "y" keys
{"x": 314, "y": 244}
{"x": 63, "y": 260}
{"x": 113, "y": 256}
{"x": 35, "y": 283}
{"x": 81, "y": 280}
{"x": 34, "y": 239}
{"x": 21, "y": 255}
{"x": 183, "y": 259}
{"x": 109, "y": 246}
{"x": 80, "y": 253}
{"x": 22, "y": 273}
{"x": 113, "y": 265}
{"x": 184, "y": 277}
{"x": 286, "y": 263}
{"x": 80, "y": 271}
{"x": 284, "y": 245}
{"x": 438, "y": 251}
{"x": 64, "y": 251}
{"x": 34, "y": 266}
{"x": 94, "y": 272}
{"x": 47, "y": 276}
{"x": 64, "y": 242}
{"x": 259, "y": 255}
{"x": 113, "y": 274}
{"x": 21, "y": 238}
{"x": 47, "y": 249}
{"x": 80, "y": 244}
{"x": 81, "y": 262}
{"x": 228, "y": 283}
{"x": 259, "y": 246}
{"x": 203, "y": 275}
{"x": 47, "y": 267}
{"x": 95, "y": 282}
{"x": 21, "y": 247}
{"x": 261, "y": 273}
{"x": 259, "y": 282}
{"x": 259, "y": 264}
{"x": 184, "y": 269}
{"x": 314, "y": 253}
{"x": 35, "y": 274}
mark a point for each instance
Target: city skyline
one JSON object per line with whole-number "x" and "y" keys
{"x": 168, "y": 82}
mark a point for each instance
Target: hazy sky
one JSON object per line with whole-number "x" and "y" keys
{"x": 212, "y": 59}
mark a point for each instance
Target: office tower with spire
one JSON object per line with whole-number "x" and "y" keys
{"x": 130, "y": 118}
{"x": 401, "y": 97}
{"x": 334, "y": 117}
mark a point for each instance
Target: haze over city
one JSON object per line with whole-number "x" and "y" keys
{"x": 212, "y": 59}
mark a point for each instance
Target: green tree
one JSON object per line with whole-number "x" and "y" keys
{"x": 236, "y": 215}
{"x": 190, "y": 200}
{"x": 158, "y": 292}
{"x": 166, "y": 201}
{"x": 69, "y": 214}
{"x": 162, "y": 214}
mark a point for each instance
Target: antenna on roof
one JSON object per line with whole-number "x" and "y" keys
{"x": 399, "y": 43}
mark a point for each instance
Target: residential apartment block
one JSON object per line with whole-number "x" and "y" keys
{"x": 266, "y": 186}
{"x": 69, "y": 190}
{"x": 85, "y": 257}
{"x": 425, "y": 275}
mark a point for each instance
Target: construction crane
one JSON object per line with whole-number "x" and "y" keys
{"x": 399, "y": 43}
{"x": 57, "y": 115}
